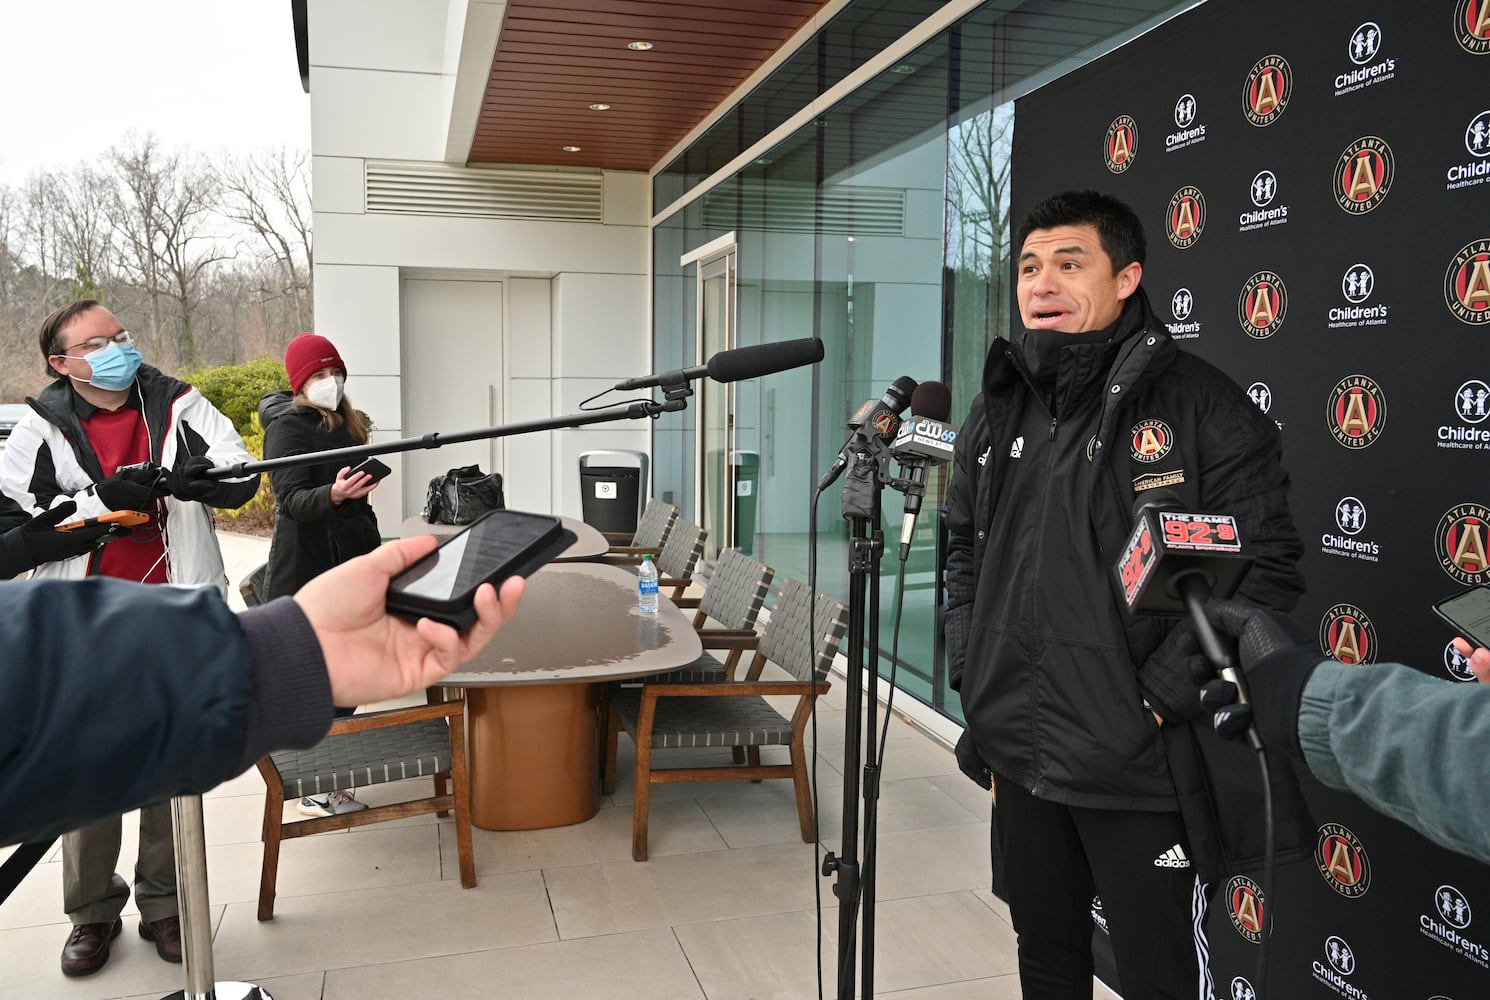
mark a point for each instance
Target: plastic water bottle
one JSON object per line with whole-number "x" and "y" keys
{"x": 646, "y": 586}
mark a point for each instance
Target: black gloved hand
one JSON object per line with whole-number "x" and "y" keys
{"x": 971, "y": 761}
{"x": 44, "y": 543}
{"x": 134, "y": 488}
{"x": 188, "y": 483}
{"x": 1275, "y": 670}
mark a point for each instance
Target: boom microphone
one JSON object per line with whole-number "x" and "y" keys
{"x": 741, "y": 363}
{"x": 924, "y": 438}
{"x": 875, "y": 419}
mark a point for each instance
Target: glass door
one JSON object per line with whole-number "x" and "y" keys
{"x": 716, "y": 405}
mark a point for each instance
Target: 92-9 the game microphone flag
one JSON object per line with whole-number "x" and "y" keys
{"x": 1168, "y": 543}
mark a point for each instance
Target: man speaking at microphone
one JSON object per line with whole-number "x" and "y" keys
{"x": 1079, "y": 711}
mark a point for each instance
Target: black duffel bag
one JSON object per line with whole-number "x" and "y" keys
{"x": 462, "y": 495}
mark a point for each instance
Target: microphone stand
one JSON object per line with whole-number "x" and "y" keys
{"x": 186, "y": 810}
{"x": 854, "y": 886}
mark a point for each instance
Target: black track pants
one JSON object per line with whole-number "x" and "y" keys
{"x": 1056, "y": 858}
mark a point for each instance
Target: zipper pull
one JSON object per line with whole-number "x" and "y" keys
{"x": 1053, "y": 422}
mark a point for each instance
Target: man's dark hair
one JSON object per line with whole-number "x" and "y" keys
{"x": 1117, "y": 225}
{"x": 50, "y": 336}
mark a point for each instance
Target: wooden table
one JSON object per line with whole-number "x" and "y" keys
{"x": 533, "y": 695}
{"x": 590, "y": 543}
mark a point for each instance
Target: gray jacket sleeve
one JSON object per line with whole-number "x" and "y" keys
{"x": 1411, "y": 746}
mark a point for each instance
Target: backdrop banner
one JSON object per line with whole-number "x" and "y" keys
{"x": 1315, "y": 183}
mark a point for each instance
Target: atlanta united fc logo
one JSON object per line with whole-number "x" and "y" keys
{"x": 1151, "y": 440}
{"x": 1472, "y": 26}
{"x": 1245, "y": 904}
{"x": 1460, "y": 543}
{"x": 1346, "y": 633}
{"x": 1357, "y": 411}
{"x": 1184, "y": 220}
{"x": 1363, "y": 174}
{"x": 1466, "y": 284}
{"x": 1268, "y": 89}
{"x": 1342, "y": 861}
{"x": 1263, "y": 304}
{"x": 1121, "y": 144}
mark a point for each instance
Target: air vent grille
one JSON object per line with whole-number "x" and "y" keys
{"x": 482, "y": 192}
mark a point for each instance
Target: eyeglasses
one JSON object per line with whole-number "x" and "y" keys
{"x": 85, "y": 347}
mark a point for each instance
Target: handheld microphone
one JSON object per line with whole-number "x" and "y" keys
{"x": 1173, "y": 561}
{"x": 924, "y": 438}
{"x": 741, "y": 363}
{"x": 875, "y": 419}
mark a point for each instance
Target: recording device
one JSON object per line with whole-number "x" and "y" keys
{"x": 923, "y": 438}
{"x": 741, "y": 363}
{"x": 372, "y": 467}
{"x": 124, "y": 518}
{"x": 1469, "y": 613}
{"x": 874, "y": 420}
{"x": 501, "y": 544}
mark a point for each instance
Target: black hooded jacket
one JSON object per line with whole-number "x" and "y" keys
{"x": 1056, "y": 679}
{"x": 310, "y": 535}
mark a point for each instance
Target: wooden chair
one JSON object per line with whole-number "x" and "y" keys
{"x": 662, "y": 717}
{"x": 733, "y": 599}
{"x": 650, "y": 535}
{"x": 679, "y": 557}
{"x": 426, "y": 741}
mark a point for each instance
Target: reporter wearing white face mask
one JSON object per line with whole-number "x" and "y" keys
{"x": 322, "y": 515}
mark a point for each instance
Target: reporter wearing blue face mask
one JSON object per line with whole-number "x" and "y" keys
{"x": 112, "y": 433}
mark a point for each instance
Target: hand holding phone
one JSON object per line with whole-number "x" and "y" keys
{"x": 501, "y": 544}
{"x": 1469, "y": 613}
{"x": 371, "y": 467}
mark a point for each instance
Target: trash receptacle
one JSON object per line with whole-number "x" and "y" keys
{"x": 612, "y": 485}
{"x": 747, "y": 494}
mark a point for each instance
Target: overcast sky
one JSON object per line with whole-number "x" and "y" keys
{"x": 208, "y": 74}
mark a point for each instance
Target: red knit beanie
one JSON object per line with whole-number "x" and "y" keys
{"x": 308, "y": 354}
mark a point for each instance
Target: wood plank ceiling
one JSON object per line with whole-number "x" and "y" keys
{"x": 555, "y": 58}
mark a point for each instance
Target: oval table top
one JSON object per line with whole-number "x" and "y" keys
{"x": 589, "y": 544}
{"x": 580, "y": 622}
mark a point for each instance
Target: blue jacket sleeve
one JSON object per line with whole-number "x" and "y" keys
{"x": 1408, "y": 745}
{"x": 114, "y": 695}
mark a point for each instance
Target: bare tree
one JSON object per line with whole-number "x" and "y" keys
{"x": 164, "y": 219}
{"x": 268, "y": 193}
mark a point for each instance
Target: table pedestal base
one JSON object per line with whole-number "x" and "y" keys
{"x": 533, "y": 757}
{"x": 223, "y": 991}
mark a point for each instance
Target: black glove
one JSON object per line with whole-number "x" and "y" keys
{"x": 971, "y": 761}
{"x": 134, "y": 488}
{"x": 44, "y": 543}
{"x": 1275, "y": 670}
{"x": 188, "y": 483}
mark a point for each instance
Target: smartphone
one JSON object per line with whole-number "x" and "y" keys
{"x": 1469, "y": 613}
{"x": 372, "y": 467}
{"x": 501, "y": 544}
{"x": 128, "y": 518}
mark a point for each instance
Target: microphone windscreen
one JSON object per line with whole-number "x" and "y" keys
{"x": 764, "y": 359}
{"x": 1161, "y": 497}
{"x": 900, "y": 394}
{"x": 932, "y": 400}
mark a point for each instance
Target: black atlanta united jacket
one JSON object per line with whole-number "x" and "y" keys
{"x": 1057, "y": 687}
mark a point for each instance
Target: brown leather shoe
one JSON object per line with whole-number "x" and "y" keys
{"x": 87, "y": 947}
{"x": 166, "y": 933}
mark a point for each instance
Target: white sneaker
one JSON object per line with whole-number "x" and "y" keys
{"x": 330, "y": 804}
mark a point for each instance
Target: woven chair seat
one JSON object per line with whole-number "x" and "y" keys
{"x": 708, "y": 722}
{"x": 370, "y": 757}
{"x": 707, "y": 669}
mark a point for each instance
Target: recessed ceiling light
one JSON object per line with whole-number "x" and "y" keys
{"x": 904, "y": 69}
{"x": 571, "y": 149}
{"x": 764, "y": 161}
{"x": 600, "y": 107}
{"x": 638, "y": 46}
